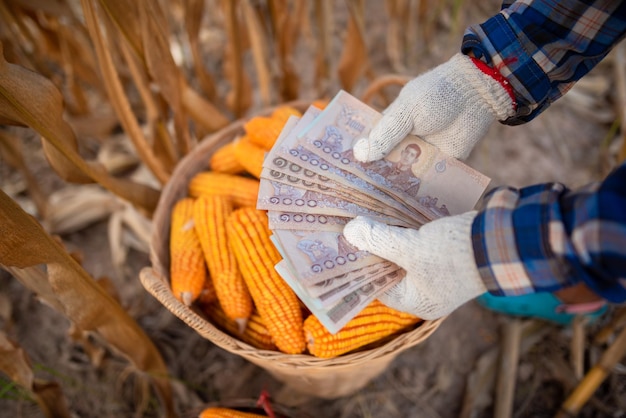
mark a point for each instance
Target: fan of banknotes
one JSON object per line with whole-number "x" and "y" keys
{"x": 311, "y": 186}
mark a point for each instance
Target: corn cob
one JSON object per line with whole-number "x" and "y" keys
{"x": 263, "y": 131}
{"x": 255, "y": 334}
{"x": 277, "y": 304}
{"x": 249, "y": 155}
{"x": 373, "y": 323}
{"x": 215, "y": 412}
{"x": 223, "y": 160}
{"x": 282, "y": 113}
{"x": 187, "y": 266}
{"x": 208, "y": 293}
{"x": 243, "y": 191}
{"x": 211, "y": 213}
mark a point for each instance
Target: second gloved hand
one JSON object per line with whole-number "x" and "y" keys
{"x": 450, "y": 106}
{"x": 441, "y": 272}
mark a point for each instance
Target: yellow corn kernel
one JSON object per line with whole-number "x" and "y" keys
{"x": 373, "y": 323}
{"x": 211, "y": 212}
{"x": 187, "y": 266}
{"x": 277, "y": 304}
{"x": 216, "y": 412}
{"x": 282, "y": 113}
{"x": 223, "y": 160}
{"x": 263, "y": 131}
{"x": 255, "y": 333}
{"x": 249, "y": 155}
{"x": 208, "y": 293}
{"x": 242, "y": 191}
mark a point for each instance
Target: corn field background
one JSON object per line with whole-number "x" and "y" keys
{"x": 99, "y": 100}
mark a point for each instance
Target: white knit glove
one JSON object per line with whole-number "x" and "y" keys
{"x": 450, "y": 106}
{"x": 441, "y": 272}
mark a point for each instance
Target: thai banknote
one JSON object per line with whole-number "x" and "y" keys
{"x": 321, "y": 185}
{"x": 311, "y": 186}
{"x": 415, "y": 172}
{"x": 306, "y": 221}
{"x": 327, "y": 292}
{"x": 321, "y": 255}
{"x": 278, "y": 196}
{"x": 290, "y": 158}
{"x": 342, "y": 286}
{"x": 339, "y": 314}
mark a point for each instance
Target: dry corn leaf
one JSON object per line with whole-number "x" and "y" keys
{"x": 34, "y": 279}
{"x": 117, "y": 155}
{"x": 156, "y": 116}
{"x": 27, "y": 39}
{"x": 26, "y": 98}
{"x": 127, "y": 229}
{"x": 75, "y": 98}
{"x": 399, "y": 18}
{"x": 194, "y": 12}
{"x": 24, "y": 243}
{"x": 287, "y": 24}
{"x": 28, "y": 44}
{"x": 10, "y": 151}
{"x": 239, "y": 98}
{"x": 6, "y": 310}
{"x": 58, "y": 8}
{"x": 324, "y": 61}
{"x": 14, "y": 362}
{"x": 80, "y": 53}
{"x": 205, "y": 113}
{"x": 115, "y": 89}
{"x": 75, "y": 207}
{"x": 117, "y": 249}
{"x": 354, "y": 60}
{"x": 124, "y": 14}
{"x": 95, "y": 352}
{"x": 162, "y": 68}
{"x": 260, "y": 53}
{"x": 139, "y": 74}
{"x": 99, "y": 123}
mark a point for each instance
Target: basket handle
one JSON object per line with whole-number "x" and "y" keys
{"x": 376, "y": 87}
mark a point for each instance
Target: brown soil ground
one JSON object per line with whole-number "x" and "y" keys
{"x": 430, "y": 380}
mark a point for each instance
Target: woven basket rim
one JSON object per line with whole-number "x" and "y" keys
{"x": 157, "y": 286}
{"x": 155, "y": 279}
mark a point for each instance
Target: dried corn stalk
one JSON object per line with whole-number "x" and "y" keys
{"x": 24, "y": 244}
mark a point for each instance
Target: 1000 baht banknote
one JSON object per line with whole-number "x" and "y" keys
{"x": 414, "y": 171}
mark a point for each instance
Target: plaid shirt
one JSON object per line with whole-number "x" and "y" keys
{"x": 543, "y": 47}
{"x": 547, "y": 237}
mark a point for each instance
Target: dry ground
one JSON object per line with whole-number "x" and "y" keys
{"x": 426, "y": 381}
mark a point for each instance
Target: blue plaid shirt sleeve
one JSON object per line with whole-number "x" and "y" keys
{"x": 543, "y": 47}
{"x": 547, "y": 237}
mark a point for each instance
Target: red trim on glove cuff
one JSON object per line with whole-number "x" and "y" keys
{"x": 496, "y": 75}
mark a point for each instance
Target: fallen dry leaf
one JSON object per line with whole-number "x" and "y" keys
{"x": 14, "y": 362}
{"x": 24, "y": 243}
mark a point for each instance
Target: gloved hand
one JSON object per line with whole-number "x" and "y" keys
{"x": 450, "y": 106}
{"x": 441, "y": 273}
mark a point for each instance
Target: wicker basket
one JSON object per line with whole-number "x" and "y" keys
{"x": 324, "y": 378}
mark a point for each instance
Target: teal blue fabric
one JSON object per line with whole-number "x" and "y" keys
{"x": 534, "y": 305}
